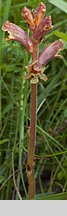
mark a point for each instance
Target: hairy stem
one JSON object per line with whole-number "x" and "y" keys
{"x": 31, "y": 150}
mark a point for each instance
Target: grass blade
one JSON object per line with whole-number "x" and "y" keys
{"x": 59, "y": 196}
{"x": 60, "y": 4}
{"x": 61, "y": 35}
{"x": 6, "y": 10}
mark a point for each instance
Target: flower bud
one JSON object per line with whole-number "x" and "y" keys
{"x": 28, "y": 17}
{"x": 18, "y": 34}
{"x": 39, "y": 13}
{"x": 50, "y": 52}
{"x": 44, "y": 26}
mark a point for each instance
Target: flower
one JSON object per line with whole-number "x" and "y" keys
{"x": 35, "y": 70}
{"x": 39, "y": 13}
{"x": 18, "y": 34}
{"x": 50, "y": 52}
{"x": 43, "y": 27}
{"x": 28, "y": 17}
{"x": 39, "y": 26}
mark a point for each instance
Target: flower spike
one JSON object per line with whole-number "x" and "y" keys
{"x": 18, "y": 34}
{"x": 39, "y": 26}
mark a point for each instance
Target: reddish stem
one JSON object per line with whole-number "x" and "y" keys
{"x": 30, "y": 161}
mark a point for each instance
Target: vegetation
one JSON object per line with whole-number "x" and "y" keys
{"x": 51, "y": 149}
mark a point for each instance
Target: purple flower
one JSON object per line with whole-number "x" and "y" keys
{"x": 50, "y": 52}
{"x": 18, "y": 34}
{"x": 43, "y": 27}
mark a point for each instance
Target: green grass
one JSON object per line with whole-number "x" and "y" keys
{"x": 51, "y": 146}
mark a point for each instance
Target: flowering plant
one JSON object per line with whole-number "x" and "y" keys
{"x": 39, "y": 25}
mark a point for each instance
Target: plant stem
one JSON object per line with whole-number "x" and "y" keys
{"x": 31, "y": 150}
{"x": 30, "y": 161}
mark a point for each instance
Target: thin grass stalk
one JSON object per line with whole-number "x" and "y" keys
{"x": 22, "y": 113}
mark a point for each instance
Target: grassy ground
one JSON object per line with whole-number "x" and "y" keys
{"x": 51, "y": 146}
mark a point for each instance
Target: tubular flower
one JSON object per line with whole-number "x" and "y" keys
{"x": 28, "y": 17}
{"x": 39, "y": 13}
{"x": 18, "y": 34}
{"x": 35, "y": 70}
{"x": 50, "y": 52}
{"x": 43, "y": 27}
{"x": 39, "y": 26}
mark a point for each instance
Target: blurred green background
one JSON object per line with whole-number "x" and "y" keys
{"x": 51, "y": 145}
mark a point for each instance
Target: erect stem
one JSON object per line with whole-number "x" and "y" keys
{"x": 31, "y": 150}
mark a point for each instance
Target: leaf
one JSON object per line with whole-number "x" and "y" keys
{"x": 62, "y": 5}
{"x": 58, "y": 196}
{"x": 3, "y": 141}
{"x": 61, "y": 35}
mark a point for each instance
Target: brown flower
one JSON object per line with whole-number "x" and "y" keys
{"x": 35, "y": 70}
{"x": 39, "y": 13}
{"x": 28, "y": 17}
{"x": 44, "y": 26}
{"x": 50, "y": 52}
{"x": 18, "y": 34}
